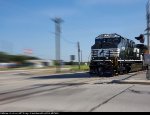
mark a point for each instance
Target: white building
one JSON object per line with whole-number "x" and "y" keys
{"x": 40, "y": 63}
{"x": 8, "y": 65}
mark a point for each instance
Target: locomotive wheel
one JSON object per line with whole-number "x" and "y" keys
{"x": 128, "y": 69}
{"x": 100, "y": 72}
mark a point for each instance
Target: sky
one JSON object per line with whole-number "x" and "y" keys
{"x": 27, "y": 24}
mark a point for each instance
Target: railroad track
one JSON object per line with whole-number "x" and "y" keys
{"x": 24, "y": 93}
{"x": 27, "y": 92}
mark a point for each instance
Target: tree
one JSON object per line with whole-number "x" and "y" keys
{"x": 4, "y": 57}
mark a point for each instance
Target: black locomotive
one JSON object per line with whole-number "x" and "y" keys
{"x": 113, "y": 54}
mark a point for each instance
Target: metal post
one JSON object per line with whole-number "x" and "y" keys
{"x": 148, "y": 34}
{"x": 148, "y": 25}
{"x": 81, "y": 57}
{"x": 148, "y": 41}
{"x": 148, "y": 73}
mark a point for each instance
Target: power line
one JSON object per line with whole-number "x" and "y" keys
{"x": 66, "y": 40}
{"x": 58, "y": 21}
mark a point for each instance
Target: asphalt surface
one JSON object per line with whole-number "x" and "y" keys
{"x": 74, "y": 92}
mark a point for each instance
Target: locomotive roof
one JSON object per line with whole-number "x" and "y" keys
{"x": 109, "y": 36}
{"x": 112, "y": 36}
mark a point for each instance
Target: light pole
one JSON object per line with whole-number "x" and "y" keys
{"x": 57, "y": 22}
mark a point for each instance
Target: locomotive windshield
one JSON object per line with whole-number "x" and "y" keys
{"x": 108, "y": 42}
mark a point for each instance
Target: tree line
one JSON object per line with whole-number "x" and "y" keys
{"x": 6, "y": 58}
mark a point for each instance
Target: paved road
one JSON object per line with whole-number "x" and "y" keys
{"x": 30, "y": 71}
{"x": 71, "y": 93}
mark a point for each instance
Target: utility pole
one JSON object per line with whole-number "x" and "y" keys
{"x": 79, "y": 63}
{"x": 57, "y": 22}
{"x": 148, "y": 25}
{"x": 148, "y": 35}
{"x": 81, "y": 57}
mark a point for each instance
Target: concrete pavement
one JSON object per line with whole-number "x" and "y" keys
{"x": 34, "y": 71}
{"x": 83, "y": 98}
{"x": 73, "y": 92}
{"x": 134, "y": 99}
{"x": 137, "y": 78}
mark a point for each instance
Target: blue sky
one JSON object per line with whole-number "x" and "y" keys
{"x": 26, "y": 24}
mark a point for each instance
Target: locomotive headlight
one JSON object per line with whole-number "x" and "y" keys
{"x": 123, "y": 48}
{"x": 135, "y": 49}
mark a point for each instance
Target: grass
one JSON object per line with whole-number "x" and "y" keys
{"x": 136, "y": 67}
{"x": 23, "y": 68}
{"x": 82, "y": 68}
{"x": 73, "y": 68}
